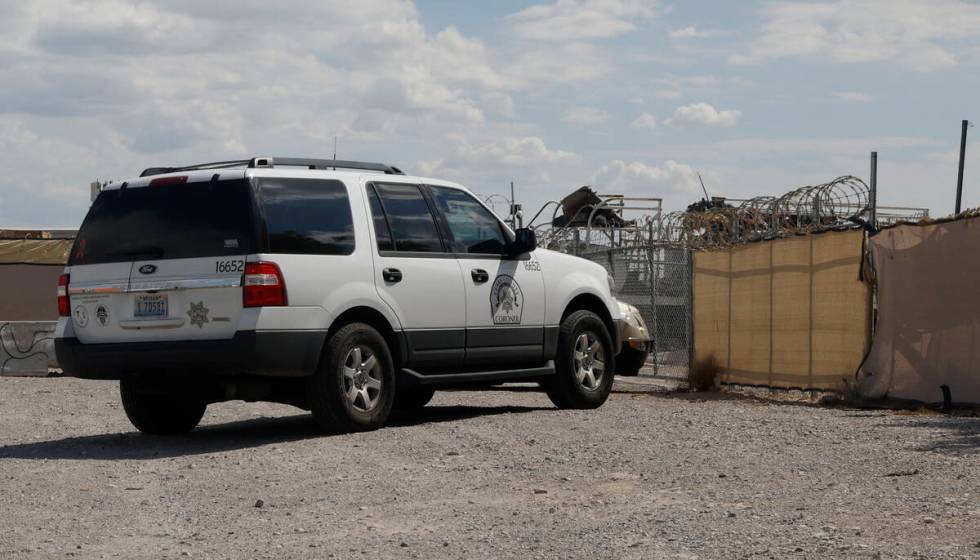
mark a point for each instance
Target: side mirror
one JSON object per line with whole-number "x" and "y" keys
{"x": 525, "y": 241}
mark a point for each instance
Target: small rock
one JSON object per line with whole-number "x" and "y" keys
{"x": 928, "y": 521}
{"x": 453, "y": 454}
{"x": 259, "y": 503}
{"x": 722, "y": 475}
{"x": 404, "y": 544}
{"x": 731, "y": 514}
{"x": 540, "y": 491}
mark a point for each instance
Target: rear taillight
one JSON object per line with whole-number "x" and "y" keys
{"x": 263, "y": 285}
{"x": 63, "y": 307}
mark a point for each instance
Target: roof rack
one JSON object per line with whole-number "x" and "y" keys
{"x": 268, "y": 162}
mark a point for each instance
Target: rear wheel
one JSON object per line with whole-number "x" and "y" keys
{"x": 353, "y": 390}
{"x": 409, "y": 398}
{"x": 160, "y": 414}
{"x": 584, "y": 364}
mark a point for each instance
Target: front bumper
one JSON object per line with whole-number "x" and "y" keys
{"x": 633, "y": 329}
{"x": 266, "y": 353}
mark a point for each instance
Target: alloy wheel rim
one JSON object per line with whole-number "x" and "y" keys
{"x": 590, "y": 365}
{"x": 362, "y": 378}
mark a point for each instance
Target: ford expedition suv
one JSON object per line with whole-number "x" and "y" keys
{"x": 344, "y": 288}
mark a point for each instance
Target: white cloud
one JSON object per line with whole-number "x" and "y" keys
{"x": 637, "y": 178}
{"x": 585, "y": 116}
{"x": 703, "y": 114}
{"x": 923, "y": 36}
{"x": 581, "y": 19}
{"x": 645, "y": 120}
{"x": 853, "y": 96}
{"x": 569, "y": 63}
{"x": 515, "y": 151}
{"x": 692, "y": 32}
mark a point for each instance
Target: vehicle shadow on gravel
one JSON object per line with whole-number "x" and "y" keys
{"x": 228, "y": 436}
{"x": 961, "y": 436}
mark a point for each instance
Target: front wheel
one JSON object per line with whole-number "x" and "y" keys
{"x": 584, "y": 364}
{"x": 353, "y": 389}
{"x": 160, "y": 414}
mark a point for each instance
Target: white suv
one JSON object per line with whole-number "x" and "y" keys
{"x": 344, "y": 288}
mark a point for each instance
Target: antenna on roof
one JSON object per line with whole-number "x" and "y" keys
{"x": 335, "y": 149}
{"x": 706, "y": 197}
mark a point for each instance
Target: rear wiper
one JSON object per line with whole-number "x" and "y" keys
{"x": 151, "y": 251}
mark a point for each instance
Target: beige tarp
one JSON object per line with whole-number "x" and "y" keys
{"x": 928, "y": 328}
{"x": 34, "y": 251}
{"x": 789, "y": 313}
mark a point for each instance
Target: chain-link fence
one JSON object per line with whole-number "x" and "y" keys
{"x": 626, "y": 235}
{"x": 656, "y": 278}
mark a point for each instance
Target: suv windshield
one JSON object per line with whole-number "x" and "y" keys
{"x": 204, "y": 219}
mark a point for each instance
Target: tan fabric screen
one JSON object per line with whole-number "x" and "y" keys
{"x": 928, "y": 328}
{"x": 789, "y": 313}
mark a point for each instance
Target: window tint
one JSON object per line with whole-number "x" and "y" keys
{"x": 412, "y": 225}
{"x": 307, "y": 216}
{"x": 201, "y": 219}
{"x": 474, "y": 228}
{"x": 381, "y": 230}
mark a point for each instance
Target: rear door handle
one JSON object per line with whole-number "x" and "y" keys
{"x": 479, "y": 275}
{"x": 391, "y": 275}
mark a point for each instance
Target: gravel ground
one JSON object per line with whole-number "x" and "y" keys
{"x": 496, "y": 474}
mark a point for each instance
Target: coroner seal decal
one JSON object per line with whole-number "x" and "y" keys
{"x": 198, "y": 314}
{"x": 506, "y": 301}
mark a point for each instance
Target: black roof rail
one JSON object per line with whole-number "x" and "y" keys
{"x": 213, "y": 165}
{"x": 266, "y": 162}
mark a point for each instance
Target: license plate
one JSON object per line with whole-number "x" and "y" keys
{"x": 154, "y": 305}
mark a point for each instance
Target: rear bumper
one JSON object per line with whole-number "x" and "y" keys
{"x": 266, "y": 353}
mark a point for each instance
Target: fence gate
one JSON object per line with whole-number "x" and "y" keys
{"x": 656, "y": 278}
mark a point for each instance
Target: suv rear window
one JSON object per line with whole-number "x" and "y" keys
{"x": 203, "y": 219}
{"x": 307, "y": 216}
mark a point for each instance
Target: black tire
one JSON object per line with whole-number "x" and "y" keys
{"x": 331, "y": 388}
{"x": 564, "y": 388}
{"x": 160, "y": 414}
{"x": 411, "y": 398}
{"x": 630, "y": 361}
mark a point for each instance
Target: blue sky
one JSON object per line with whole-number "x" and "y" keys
{"x": 631, "y": 96}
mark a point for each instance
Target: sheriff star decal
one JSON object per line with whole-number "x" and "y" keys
{"x": 506, "y": 301}
{"x": 198, "y": 314}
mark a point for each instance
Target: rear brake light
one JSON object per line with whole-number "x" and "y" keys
{"x": 263, "y": 285}
{"x": 63, "y": 306}
{"x": 164, "y": 181}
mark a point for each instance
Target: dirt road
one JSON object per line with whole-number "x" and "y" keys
{"x": 487, "y": 475}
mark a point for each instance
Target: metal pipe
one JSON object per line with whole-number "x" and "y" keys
{"x": 874, "y": 190}
{"x": 959, "y": 178}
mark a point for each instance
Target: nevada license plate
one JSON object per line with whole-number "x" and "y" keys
{"x": 152, "y": 305}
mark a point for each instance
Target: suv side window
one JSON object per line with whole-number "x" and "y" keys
{"x": 475, "y": 229}
{"x": 381, "y": 229}
{"x": 307, "y": 216}
{"x": 409, "y": 219}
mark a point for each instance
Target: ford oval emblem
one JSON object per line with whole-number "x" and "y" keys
{"x": 148, "y": 269}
